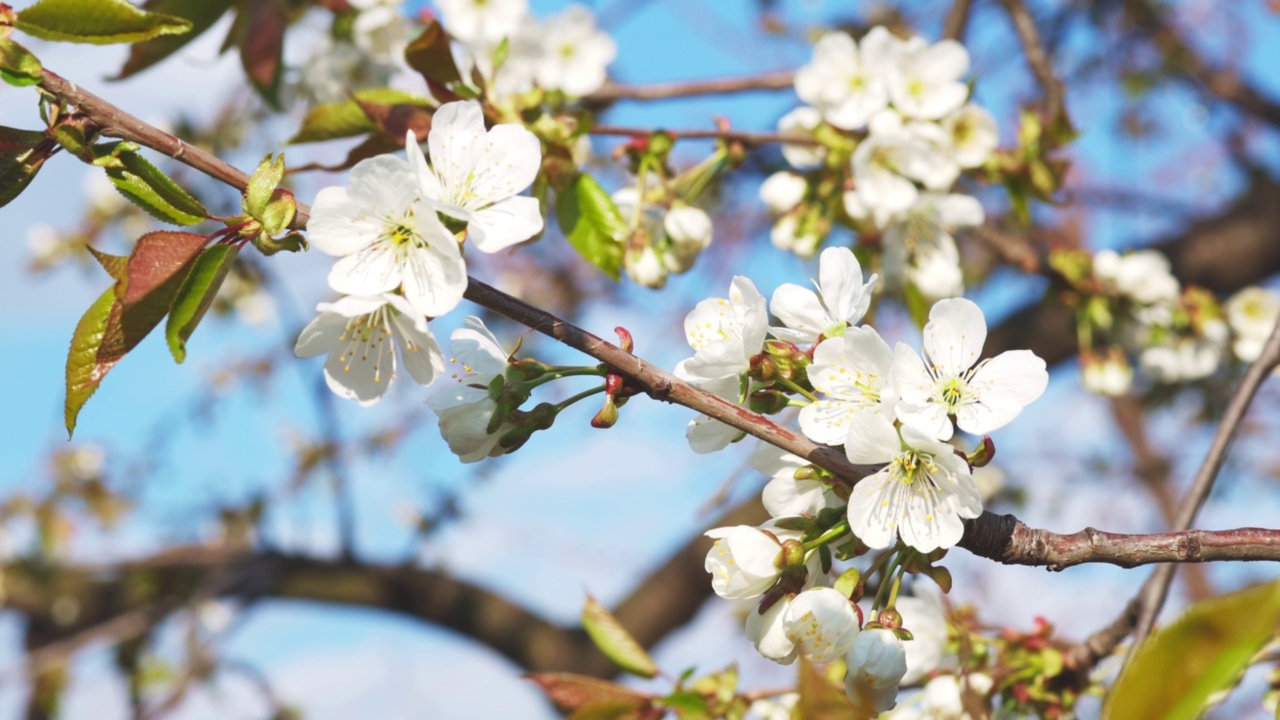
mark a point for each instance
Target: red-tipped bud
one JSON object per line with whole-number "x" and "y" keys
{"x": 624, "y": 339}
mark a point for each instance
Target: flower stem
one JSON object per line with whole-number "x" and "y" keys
{"x": 558, "y": 373}
{"x": 791, "y": 385}
{"x": 834, "y": 532}
{"x": 884, "y": 583}
{"x": 558, "y": 407}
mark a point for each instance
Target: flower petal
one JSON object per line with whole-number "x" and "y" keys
{"x": 840, "y": 280}
{"x": 504, "y": 224}
{"x": 456, "y": 139}
{"x": 871, "y": 440}
{"x": 954, "y": 335}
{"x": 1002, "y": 386}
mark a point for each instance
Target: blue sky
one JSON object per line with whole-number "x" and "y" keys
{"x": 577, "y": 510}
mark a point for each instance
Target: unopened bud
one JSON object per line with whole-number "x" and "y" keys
{"x": 982, "y": 454}
{"x": 624, "y": 339}
{"x": 607, "y": 416}
{"x": 764, "y": 368}
{"x": 890, "y": 618}
{"x": 767, "y": 402}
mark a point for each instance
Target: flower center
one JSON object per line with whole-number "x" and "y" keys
{"x": 911, "y": 466}
{"x": 916, "y": 88}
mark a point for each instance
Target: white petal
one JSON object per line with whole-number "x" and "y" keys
{"x": 800, "y": 311}
{"x": 912, "y": 384}
{"x": 320, "y": 335}
{"x": 338, "y": 224}
{"x": 954, "y": 335}
{"x": 1003, "y": 386}
{"x": 504, "y": 224}
{"x": 869, "y": 508}
{"x": 457, "y": 137}
{"x": 428, "y": 183}
{"x": 371, "y": 271}
{"x": 871, "y": 440}
{"x": 435, "y": 276}
{"x": 843, "y": 289}
{"x": 362, "y": 371}
{"x": 418, "y": 349}
{"x": 507, "y": 165}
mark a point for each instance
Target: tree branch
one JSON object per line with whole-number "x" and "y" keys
{"x": 781, "y": 80}
{"x": 957, "y": 19}
{"x": 1037, "y": 58}
{"x": 749, "y": 138}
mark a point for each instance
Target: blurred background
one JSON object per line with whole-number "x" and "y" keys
{"x": 225, "y": 539}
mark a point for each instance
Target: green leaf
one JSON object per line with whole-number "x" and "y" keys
{"x": 22, "y": 153}
{"x": 576, "y": 692}
{"x": 615, "y": 642}
{"x": 17, "y": 65}
{"x": 592, "y": 224}
{"x": 99, "y": 22}
{"x": 196, "y": 295}
{"x": 83, "y": 372}
{"x": 202, "y": 15}
{"x": 1173, "y": 674}
{"x": 347, "y": 119}
{"x": 152, "y": 274}
{"x": 150, "y": 189}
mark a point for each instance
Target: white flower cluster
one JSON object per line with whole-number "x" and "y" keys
{"x": 1179, "y": 335}
{"x": 662, "y": 241}
{"x": 893, "y": 408}
{"x": 398, "y": 262}
{"x": 903, "y": 106}
{"x": 566, "y": 53}
{"x": 886, "y": 407}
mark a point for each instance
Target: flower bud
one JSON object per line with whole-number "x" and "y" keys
{"x": 768, "y": 633}
{"x": 878, "y": 658}
{"x": 645, "y": 267}
{"x": 688, "y": 227}
{"x": 607, "y": 416}
{"x": 822, "y": 623}
{"x": 782, "y": 191}
{"x": 744, "y": 562}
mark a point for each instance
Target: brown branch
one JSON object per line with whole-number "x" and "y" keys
{"x": 1037, "y": 58}
{"x": 749, "y": 138}
{"x": 781, "y": 80}
{"x": 957, "y": 19}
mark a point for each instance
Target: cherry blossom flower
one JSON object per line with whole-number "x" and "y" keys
{"x": 847, "y": 84}
{"x": 768, "y": 632}
{"x": 793, "y": 235}
{"x": 1143, "y": 276}
{"x": 688, "y": 231}
{"x": 360, "y": 335}
{"x": 885, "y": 164}
{"x": 1187, "y": 358}
{"x": 821, "y": 623}
{"x": 782, "y": 191}
{"x": 706, "y": 435}
{"x": 1252, "y": 315}
{"x": 484, "y": 22}
{"x": 923, "y": 494}
{"x": 388, "y": 237}
{"x": 842, "y": 298}
{"x": 876, "y": 662}
{"x": 643, "y": 266}
{"x": 925, "y": 82}
{"x": 919, "y": 246}
{"x": 982, "y": 397}
{"x": 1107, "y": 374}
{"x": 744, "y": 562}
{"x": 464, "y": 406}
{"x": 785, "y": 495}
{"x": 475, "y": 175}
{"x": 779, "y": 707}
{"x": 942, "y": 698}
{"x": 802, "y": 121}
{"x": 725, "y": 333}
{"x": 922, "y": 614}
{"x": 379, "y": 29}
{"x": 575, "y": 54}
{"x": 972, "y": 135}
{"x": 852, "y": 373}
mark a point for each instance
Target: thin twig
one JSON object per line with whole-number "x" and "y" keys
{"x": 1156, "y": 589}
{"x": 781, "y": 80}
{"x": 957, "y": 19}
{"x": 1037, "y": 59}
{"x": 749, "y": 138}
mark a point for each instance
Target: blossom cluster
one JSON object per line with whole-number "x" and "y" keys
{"x": 893, "y": 119}
{"x": 1178, "y": 334}
{"x": 396, "y": 228}
{"x": 896, "y": 409}
{"x": 661, "y": 241}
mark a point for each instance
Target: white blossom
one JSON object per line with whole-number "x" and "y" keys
{"x": 744, "y": 561}
{"x": 802, "y": 121}
{"x": 848, "y": 84}
{"x": 1143, "y": 276}
{"x": 852, "y": 373}
{"x": 925, "y": 82}
{"x": 725, "y": 333}
{"x": 706, "y": 435}
{"x": 923, "y": 616}
{"x": 784, "y": 495}
{"x": 360, "y": 335}
{"x": 643, "y": 265}
{"x": 923, "y": 494}
{"x": 688, "y": 231}
{"x": 782, "y": 191}
{"x": 876, "y": 659}
{"x": 842, "y": 298}
{"x": 942, "y": 698}
{"x": 380, "y": 29}
{"x": 787, "y": 234}
{"x": 575, "y": 54}
{"x": 1252, "y": 314}
{"x": 464, "y": 405}
{"x": 475, "y": 175}
{"x": 1186, "y": 359}
{"x": 972, "y": 133}
{"x": 937, "y": 273}
{"x": 780, "y": 707}
{"x": 919, "y": 246}
{"x": 388, "y": 237}
{"x": 768, "y": 632}
{"x": 982, "y": 397}
{"x": 886, "y": 163}
{"x": 1108, "y": 374}
{"x": 822, "y": 623}
{"x": 484, "y": 22}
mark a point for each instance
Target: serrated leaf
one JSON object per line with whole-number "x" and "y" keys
{"x": 150, "y": 189}
{"x": 138, "y": 301}
{"x": 431, "y": 55}
{"x": 592, "y": 223}
{"x": 1175, "y": 672}
{"x": 196, "y": 294}
{"x": 22, "y": 153}
{"x": 116, "y": 265}
{"x": 17, "y": 65}
{"x": 574, "y": 692}
{"x": 99, "y": 22}
{"x": 83, "y": 372}
{"x": 331, "y": 121}
{"x": 261, "y": 44}
{"x": 615, "y": 642}
{"x": 202, "y": 15}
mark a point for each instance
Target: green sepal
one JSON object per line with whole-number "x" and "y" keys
{"x": 17, "y": 65}
{"x": 592, "y": 224}
{"x": 196, "y": 295}
{"x": 262, "y": 184}
{"x": 292, "y": 242}
{"x": 98, "y": 22}
{"x": 615, "y": 642}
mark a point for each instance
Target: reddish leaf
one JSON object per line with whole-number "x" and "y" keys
{"x": 202, "y": 15}
{"x": 572, "y": 692}
{"x": 262, "y": 44}
{"x": 431, "y": 57}
{"x": 394, "y": 120}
